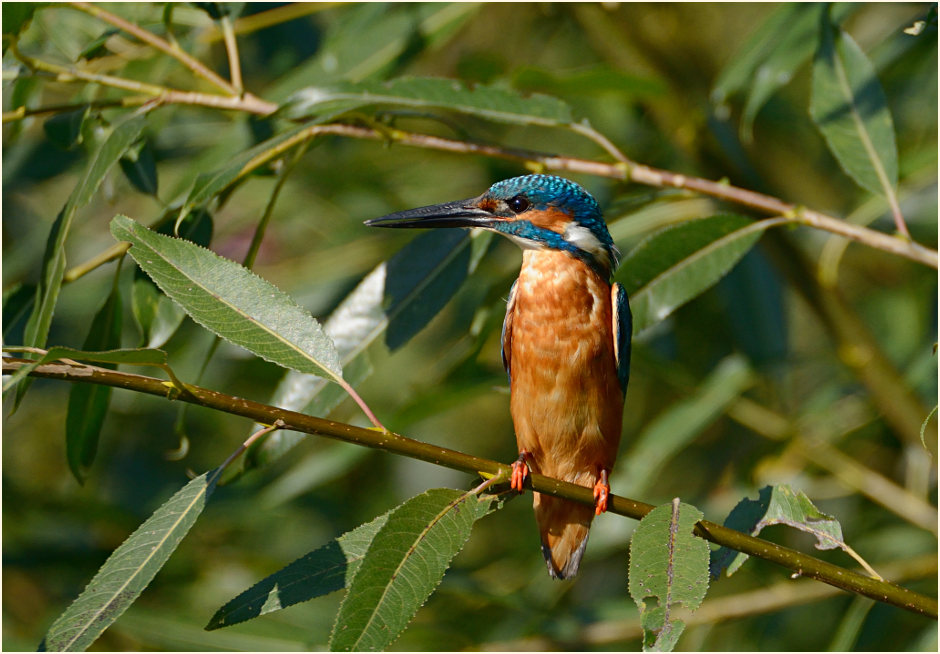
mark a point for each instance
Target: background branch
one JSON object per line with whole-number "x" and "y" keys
{"x": 802, "y": 564}
{"x": 164, "y": 46}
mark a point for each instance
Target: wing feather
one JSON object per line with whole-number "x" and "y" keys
{"x": 623, "y": 333}
{"x": 506, "y": 336}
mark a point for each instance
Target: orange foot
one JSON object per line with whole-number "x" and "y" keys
{"x": 520, "y": 470}
{"x": 601, "y": 493}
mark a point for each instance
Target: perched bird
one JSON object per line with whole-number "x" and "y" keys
{"x": 565, "y": 343}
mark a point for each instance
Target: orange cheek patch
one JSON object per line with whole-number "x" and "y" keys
{"x": 550, "y": 218}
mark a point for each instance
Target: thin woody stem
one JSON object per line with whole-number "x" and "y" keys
{"x": 165, "y": 46}
{"x": 802, "y": 564}
{"x": 231, "y": 50}
{"x": 162, "y": 94}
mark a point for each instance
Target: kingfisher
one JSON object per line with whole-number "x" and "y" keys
{"x": 565, "y": 343}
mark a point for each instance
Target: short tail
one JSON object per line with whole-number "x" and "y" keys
{"x": 564, "y": 527}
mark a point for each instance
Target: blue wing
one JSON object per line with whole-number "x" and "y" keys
{"x": 506, "y": 335}
{"x": 623, "y": 332}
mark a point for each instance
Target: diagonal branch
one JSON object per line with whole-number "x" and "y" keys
{"x": 802, "y": 564}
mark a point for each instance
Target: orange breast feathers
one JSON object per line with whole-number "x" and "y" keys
{"x": 566, "y": 401}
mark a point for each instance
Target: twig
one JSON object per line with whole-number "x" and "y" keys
{"x": 231, "y": 50}
{"x": 160, "y": 44}
{"x": 629, "y": 171}
{"x": 803, "y": 564}
{"x": 268, "y": 18}
{"x": 162, "y": 94}
{"x": 278, "y": 424}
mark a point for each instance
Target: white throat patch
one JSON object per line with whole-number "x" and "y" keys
{"x": 582, "y": 238}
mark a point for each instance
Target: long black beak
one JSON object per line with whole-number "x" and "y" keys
{"x": 462, "y": 213}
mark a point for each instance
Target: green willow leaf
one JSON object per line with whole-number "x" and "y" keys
{"x": 669, "y": 564}
{"x": 17, "y": 302}
{"x": 53, "y": 266}
{"x": 771, "y": 57}
{"x": 88, "y": 403}
{"x": 393, "y": 303}
{"x": 129, "y": 569}
{"x": 320, "y": 572}
{"x": 488, "y": 102}
{"x": 849, "y": 107}
{"x": 679, "y": 262}
{"x": 778, "y": 505}
{"x": 157, "y": 316}
{"x": 65, "y": 129}
{"x": 140, "y": 168}
{"x": 209, "y": 185}
{"x": 17, "y": 16}
{"x": 231, "y": 301}
{"x": 747, "y": 60}
{"x": 406, "y": 561}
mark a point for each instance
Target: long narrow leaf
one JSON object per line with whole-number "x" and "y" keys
{"x": 371, "y": 38}
{"x": 406, "y": 561}
{"x": 851, "y": 110}
{"x": 129, "y": 569}
{"x": 122, "y": 138}
{"x": 320, "y": 572}
{"x": 88, "y": 403}
{"x": 490, "y": 103}
{"x": 231, "y": 301}
{"x": 679, "y": 262}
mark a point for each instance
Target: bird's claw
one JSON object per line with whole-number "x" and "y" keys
{"x": 601, "y": 493}
{"x": 520, "y": 470}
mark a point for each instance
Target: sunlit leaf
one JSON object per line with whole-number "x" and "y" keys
{"x": 850, "y": 109}
{"x": 679, "y": 262}
{"x": 777, "y": 505}
{"x": 320, "y": 572}
{"x": 670, "y": 565}
{"x": 129, "y": 569}
{"x": 231, "y": 301}
{"x": 489, "y": 102}
{"x": 88, "y": 403}
{"x": 403, "y": 565}
{"x": 157, "y": 316}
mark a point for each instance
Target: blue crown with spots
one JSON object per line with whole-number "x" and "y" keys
{"x": 551, "y": 191}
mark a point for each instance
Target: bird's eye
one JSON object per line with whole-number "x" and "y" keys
{"x": 518, "y": 204}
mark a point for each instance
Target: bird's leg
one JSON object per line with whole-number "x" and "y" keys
{"x": 601, "y": 493}
{"x": 520, "y": 470}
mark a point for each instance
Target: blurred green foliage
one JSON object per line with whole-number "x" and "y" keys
{"x": 810, "y": 412}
